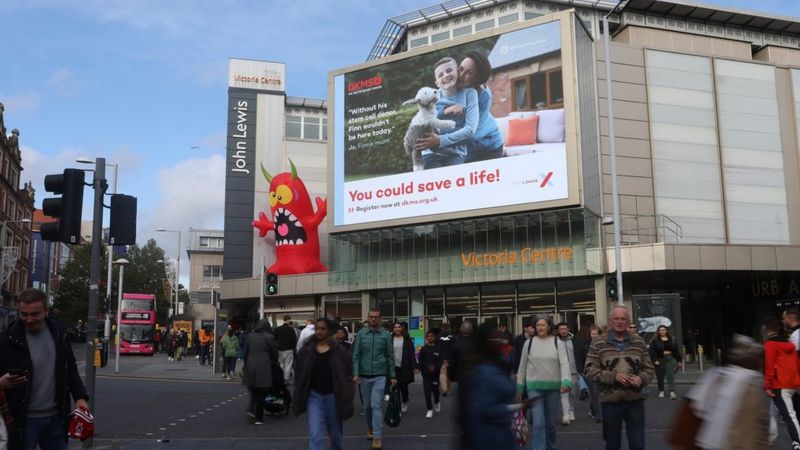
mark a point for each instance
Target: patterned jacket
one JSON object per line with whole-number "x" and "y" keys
{"x": 605, "y": 359}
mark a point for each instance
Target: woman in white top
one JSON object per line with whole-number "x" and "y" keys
{"x": 544, "y": 372}
{"x": 405, "y": 364}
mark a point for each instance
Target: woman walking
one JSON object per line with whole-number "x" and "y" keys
{"x": 544, "y": 372}
{"x": 405, "y": 365}
{"x": 230, "y": 349}
{"x": 585, "y": 338}
{"x": 324, "y": 386}
{"x": 430, "y": 364}
{"x": 258, "y": 358}
{"x": 667, "y": 358}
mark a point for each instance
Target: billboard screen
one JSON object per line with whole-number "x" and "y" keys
{"x": 468, "y": 127}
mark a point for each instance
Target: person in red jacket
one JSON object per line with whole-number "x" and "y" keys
{"x": 781, "y": 377}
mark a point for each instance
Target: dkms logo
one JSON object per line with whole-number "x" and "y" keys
{"x": 368, "y": 84}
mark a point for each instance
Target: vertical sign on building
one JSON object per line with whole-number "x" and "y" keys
{"x": 246, "y": 80}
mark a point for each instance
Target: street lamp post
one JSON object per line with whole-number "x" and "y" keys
{"x": 109, "y": 248}
{"x": 3, "y": 231}
{"x": 178, "y": 273}
{"x": 121, "y": 262}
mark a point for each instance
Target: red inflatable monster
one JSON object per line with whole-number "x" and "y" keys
{"x": 295, "y": 224}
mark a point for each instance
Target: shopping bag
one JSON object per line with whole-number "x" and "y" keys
{"x": 392, "y": 415}
{"x": 584, "y": 387}
{"x": 520, "y": 427}
{"x": 82, "y": 425}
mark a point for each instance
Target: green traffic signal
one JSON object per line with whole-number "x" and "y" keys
{"x": 272, "y": 284}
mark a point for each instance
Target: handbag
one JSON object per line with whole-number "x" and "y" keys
{"x": 520, "y": 427}
{"x": 392, "y": 416}
{"x": 684, "y": 428}
{"x": 444, "y": 381}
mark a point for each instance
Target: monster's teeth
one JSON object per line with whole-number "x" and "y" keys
{"x": 299, "y": 241}
{"x": 298, "y": 224}
{"x": 292, "y": 217}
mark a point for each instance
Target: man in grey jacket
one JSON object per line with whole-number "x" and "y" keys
{"x": 568, "y": 398}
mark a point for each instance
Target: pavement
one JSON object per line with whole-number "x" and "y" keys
{"x": 153, "y": 403}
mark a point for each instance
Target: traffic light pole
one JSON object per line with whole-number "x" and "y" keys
{"x": 99, "y": 184}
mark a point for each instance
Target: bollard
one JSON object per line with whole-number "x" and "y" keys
{"x": 700, "y": 356}
{"x": 683, "y": 366}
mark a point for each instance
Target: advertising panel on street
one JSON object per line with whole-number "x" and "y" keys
{"x": 461, "y": 129}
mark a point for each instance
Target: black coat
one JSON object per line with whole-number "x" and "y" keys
{"x": 581, "y": 347}
{"x": 462, "y": 360}
{"x": 519, "y": 342}
{"x": 259, "y": 355}
{"x": 409, "y": 362}
{"x": 14, "y": 354}
{"x": 341, "y": 370}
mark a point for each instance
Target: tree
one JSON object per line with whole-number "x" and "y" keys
{"x": 143, "y": 274}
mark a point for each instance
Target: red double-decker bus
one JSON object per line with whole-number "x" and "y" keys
{"x": 137, "y": 324}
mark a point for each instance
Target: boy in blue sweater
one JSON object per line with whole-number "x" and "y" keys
{"x": 450, "y": 146}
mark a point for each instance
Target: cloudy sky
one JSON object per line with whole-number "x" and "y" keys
{"x": 143, "y": 83}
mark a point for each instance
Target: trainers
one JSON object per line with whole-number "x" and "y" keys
{"x": 429, "y": 414}
{"x": 437, "y": 407}
{"x": 258, "y": 423}
{"x": 369, "y": 433}
{"x": 572, "y": 416}
{"x": 386, "y": 398}
{"x": 795, "y": 445}
{"x": 404, "y": 407}
{"x": 565, "y": 419}
{"x": 660, "y": 394}
{"x": 672, "y": 396}
{"x": 376, "y": 444}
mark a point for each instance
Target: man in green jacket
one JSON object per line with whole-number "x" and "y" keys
{"x": 373, "y": 360}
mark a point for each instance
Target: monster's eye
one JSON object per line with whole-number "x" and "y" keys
{"x": 273, "y": 199}
{"x": 284, "y": 194}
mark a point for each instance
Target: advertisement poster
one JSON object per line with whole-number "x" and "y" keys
{"x": 653, "y": 310}
{"x": 430, "y": 135}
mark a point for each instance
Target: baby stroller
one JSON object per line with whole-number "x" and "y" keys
{"x": 278, "y": 401}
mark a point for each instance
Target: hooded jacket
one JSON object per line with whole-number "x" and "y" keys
{"x": 780, "y": 364}
{"x": 14, "y": 354}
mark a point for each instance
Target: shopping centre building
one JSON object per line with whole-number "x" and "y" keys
{"x": 706, "y": 103}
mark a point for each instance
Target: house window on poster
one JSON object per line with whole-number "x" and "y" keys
{"x": 539, "y": 90}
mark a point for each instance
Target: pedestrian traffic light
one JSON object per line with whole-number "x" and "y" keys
{"x": 272, "y": 284}
{"x": 122, "y": 224}
{"x": 68, "y": 208}
{"x": 611, "y": 285}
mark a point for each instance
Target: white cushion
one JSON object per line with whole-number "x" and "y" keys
{"x": 551, "y": 125}
{"x": 502, "y": 125}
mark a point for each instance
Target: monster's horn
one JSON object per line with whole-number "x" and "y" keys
{"x": 266, "y": 174}
{"x": 294, "y": 170}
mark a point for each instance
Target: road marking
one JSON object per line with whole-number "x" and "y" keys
{"x": 201, "y": 412}
{"x": 181, "y": 420}
{"x": 148, "y": 434}
{"x": 172, "y": 424}
{"x": 162, "y": 429}
{"x": 193, "y": 416}
{"x": 208, "y": 409}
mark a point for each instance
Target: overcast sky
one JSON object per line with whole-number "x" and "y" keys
{"x": 144, "y": 84}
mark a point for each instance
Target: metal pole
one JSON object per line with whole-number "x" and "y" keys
{"x": 99, "y": 184}
{"x": 613, "y": 148}
{"x": 261, "y": 290}
{"x": 110, "y": 248}
{"x": 214, "y": 343}
{"x": 178, "y": 274}
{"x": 119, "y": 314}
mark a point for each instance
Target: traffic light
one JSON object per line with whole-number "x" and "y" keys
{"x": 272, "y": 284}
{"x": 68, "y": 208}
{"x": 122, "y": 225}
{"x": 611, "y": 285}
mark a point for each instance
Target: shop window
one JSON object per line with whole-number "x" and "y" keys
{"x": 539, "y": 90}
{"x": 401, "y": 307}
{"x": 350, "y": 309}
{"x": 461, "y": 301}
{"x": 575, "y": 295}
{"x": 434, "y": 302}
{"x": 293, "y": 127}
{"x": 497, "y": 299}
{"x": 385, "y": 302}
{"x": 536, "y": 298}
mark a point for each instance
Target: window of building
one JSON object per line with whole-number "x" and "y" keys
{"x": 419, "y": 42}
{"x": 212, "y": 273}
{"x": 539, "y": 90}
{"x": 439, "y": 37}
{"x": 293, "y": 127}
{"x": 510, "y": 18}
{"x": 462, "y": 31}
{"x": 212, "y": 241}
{"x": 324, "y": 128}
{"x": 686, "y": 166}
{"x": 311, "y": 128}
{"x": 485, "y": 25}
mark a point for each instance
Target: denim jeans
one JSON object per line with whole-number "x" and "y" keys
{"x": 322, "y": 414}
{"x": 372, "y": 394}
{"x": 435, "y": 160}
{"x": 632, "y": 413}
{"x": 545, "y": 413}
{"x": 49, "y": 432}
{"x": 230, "y": 365}
{"x": 203, "y": 354}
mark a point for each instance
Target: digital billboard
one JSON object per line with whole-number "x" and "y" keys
{"x": 461, "y": 129}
